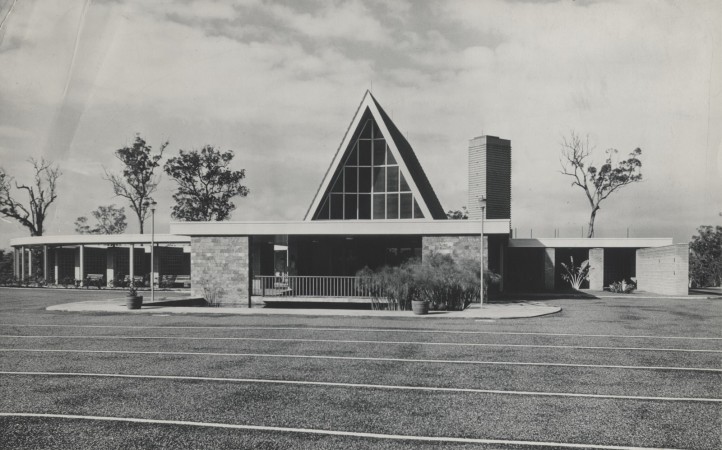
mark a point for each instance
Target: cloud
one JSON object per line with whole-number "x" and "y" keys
{"x": 279, "y": 82}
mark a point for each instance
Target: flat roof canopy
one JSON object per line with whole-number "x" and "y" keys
{"x": 100, "y": 239}
{"x": 342, "y": 227}
{"x": 590, "y": 242}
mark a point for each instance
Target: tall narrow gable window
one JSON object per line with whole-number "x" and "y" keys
{"x": 369, "y": 184}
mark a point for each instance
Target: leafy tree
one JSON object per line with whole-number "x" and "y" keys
{"x": 705, "y": 257}
{"x": 137, "y": 181}
{"x": 110, "y": 220}
{"x": 206, "y": 184}
{"x": 598, "y": 183}
{"x": 459, "y": 214}
{"x": 41, "y": 193}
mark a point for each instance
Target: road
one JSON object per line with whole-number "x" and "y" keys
{"x": 603, "y": 373}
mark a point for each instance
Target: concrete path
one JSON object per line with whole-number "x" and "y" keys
{"x": 512, "y": 310}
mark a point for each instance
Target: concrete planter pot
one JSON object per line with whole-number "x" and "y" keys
{"x": 420, "y": 307}
{"x": 134, "y": 301}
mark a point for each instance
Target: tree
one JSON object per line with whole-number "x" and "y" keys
{"x": 137, "y": 181}
{"x": 459, "y": 214}
{"x": 705, "y": 257}
{"x": 110, "y": 220}
{"x": 41, "y": 194}
{"x": 206, "y": 184}
{"x": 598, "y": 183}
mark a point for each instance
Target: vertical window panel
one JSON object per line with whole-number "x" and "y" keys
{"x": 389, "y": 157}
{"x": 404, "y": 187}
{"x": 350, "y": 179}
{"x": 324, "y": 211}
{"x": 379, "y": 206}
{"x": 364, "y": 206}
{"x": 379, "y": 179}
{"x": 417, "y": 211}
{"x": 364, "y": 179}
{"x": 406, "y": 204}
{"x": 350, "y": 207}
{"x": 364, "y": 152}
{"x": 336, "y": 206}
{"x": 366, "y": 132}
{"x": 338, "y": 184}
{"x": 379, "y": 152}
{"x": 392, "y": 206}
{"x": 353, "y": 156}
{"x": 392, "y": 179}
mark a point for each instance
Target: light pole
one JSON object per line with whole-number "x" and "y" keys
{"x": 482, "y": 203}
{"x": 152, "y": 205}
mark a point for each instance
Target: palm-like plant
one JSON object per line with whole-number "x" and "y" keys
{"x": 575, "y": 275}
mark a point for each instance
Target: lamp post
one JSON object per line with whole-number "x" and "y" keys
{"x": 152, "y": 204}
{"x": 482, "y": 203}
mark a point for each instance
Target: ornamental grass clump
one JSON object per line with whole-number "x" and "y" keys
{"x": 438, "y": 280}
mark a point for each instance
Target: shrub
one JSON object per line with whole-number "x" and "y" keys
{"x": 211, "y": 292}
{"x": 575, "y": 275}
{"x": 68, "y": 280}
{"x": 438, "y": 279}
{"x": 622, "y": 287}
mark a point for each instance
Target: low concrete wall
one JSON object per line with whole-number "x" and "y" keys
{"x": 663, "y": 270}
{"x": 596, "y": 269}
{"x": 222, "y": 263}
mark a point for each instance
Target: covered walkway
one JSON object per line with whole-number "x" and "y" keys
{"x": 110, "y": 260}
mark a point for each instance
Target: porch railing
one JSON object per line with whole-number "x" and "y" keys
{"x": 312, "y": 286}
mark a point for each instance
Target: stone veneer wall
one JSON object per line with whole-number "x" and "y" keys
{"x": 664, "y": 270}
{"x": 221, "y": 262}
{"x": 459, "y": 247}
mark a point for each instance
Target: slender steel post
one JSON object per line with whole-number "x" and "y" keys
{"x": 152, "y": 251}
{"x": 482, "y": 202}
{"x": 152, "y": 204}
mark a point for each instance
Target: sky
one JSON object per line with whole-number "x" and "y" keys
{"x": 279, "y": 82}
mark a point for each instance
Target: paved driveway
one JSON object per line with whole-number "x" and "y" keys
{"x": 611, "y": 373}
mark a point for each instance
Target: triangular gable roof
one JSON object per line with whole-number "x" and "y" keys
{"x": 400, "y": 149}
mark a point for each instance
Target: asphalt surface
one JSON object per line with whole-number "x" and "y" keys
{"x": 603, "y": 373}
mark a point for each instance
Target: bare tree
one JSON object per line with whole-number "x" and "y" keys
{"x": 597, "y": 183}
{"x": 41, "y": 193}
{"x": 137, "y": 181}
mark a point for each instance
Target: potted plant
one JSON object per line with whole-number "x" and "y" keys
{"x": 133, "y": 301}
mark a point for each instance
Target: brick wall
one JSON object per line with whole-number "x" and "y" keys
{"x": 459, "y": 247}
{"x": 490, "y": 176}
{"x": 221, "y": 262}
{"x": 663, "y": 270}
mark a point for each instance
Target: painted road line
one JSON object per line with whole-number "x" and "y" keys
{"x": 369, "y": 386}
{"x": 351, "y": 341}
{"x": 398, "y": 437}
{"x": 362, "y": 358}
{"x": 366, "y": 330}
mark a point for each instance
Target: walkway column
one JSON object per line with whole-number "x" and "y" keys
{"x": 30, "y": 262}
{"x": 549, "y": 269}
{"x": 155, "y": 272}
{"x": 109, "y": 266}
{"x": 57, "y": 268}
{"x": 22, "y": 262}
{"x": 131, "y": 264}
{"x": 82, "y": 266}
{"x": 16, "y": 264}
{"x": 45, "y": 263}
{"x": 596, "y": 269}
